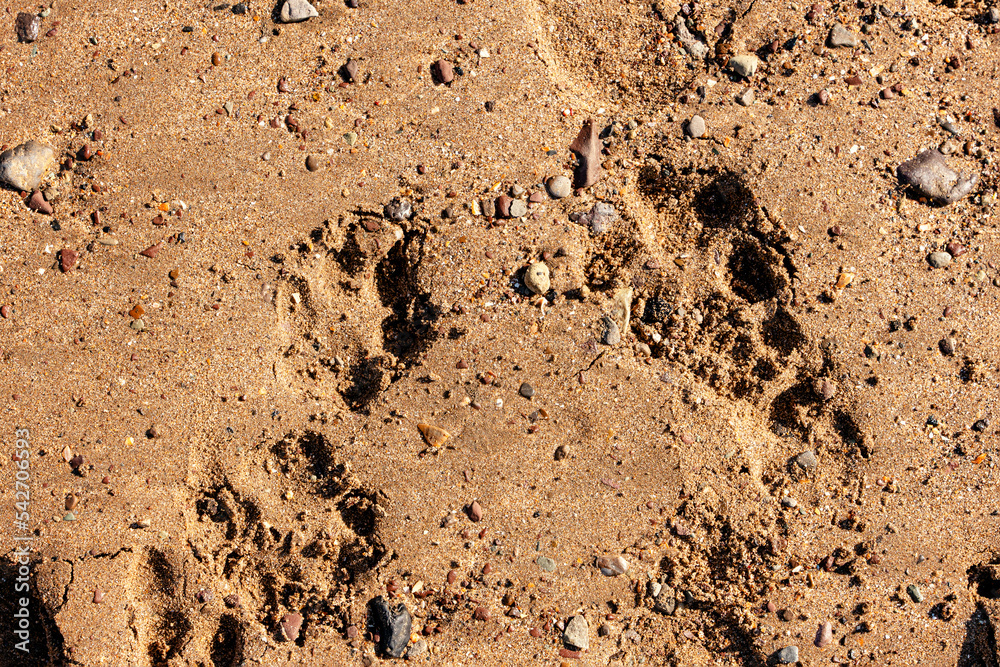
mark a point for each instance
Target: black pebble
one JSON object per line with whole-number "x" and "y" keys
{"x": 980, "y": 426}
{"x": 56, "y": 227}
{"x": 392, "y": 625}
{"x": 187, "y": 28}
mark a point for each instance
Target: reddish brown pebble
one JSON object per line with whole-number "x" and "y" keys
{"x": 652, "y": 264}
{"x": 98, "y": 596}
{"x": 947, "y": 311}
{"x": 98, "y": 135}
{"x": 823, "y": 97}
{"x": 421, "y": 169}
{"x": 537, "y": 197}
{"x": 487, "y": 569}
{"x": 481, "y": 614}
{"x": 67, "y": 260}
{"x": 887, "y": 94}
{"x": 85, "y": 153}
{"x": 566, "y": 653}
{"x": 687, "y": 438}
{"x": 535, "y": 632}
{"x": 853, "y": 80}
{"x": 475, "y": 511}
{"x": 462, "y": 364}
{"x": 485, "y": 317}
{"x": 105, "y": 480}
{"x": 290, "y": 625}
{"x": 392, "y": 586}
{"x": 71, "y": 501}
{"x": 452, "y": 576}
{"x": 216, "y": 59}
{"x": 37, "y": 203}
{"x": 282, "y": 85}
{"x": 771, "y": 607}
{"x": 956, "y": 249}
{"x": 443, "y": 71}
{"x": 137, "y": 312}
{"x": 352, "y": 631}
{"x": 152, "y": 251}
{"x": 5, "y": 312}
{"x": 159, "y": 221}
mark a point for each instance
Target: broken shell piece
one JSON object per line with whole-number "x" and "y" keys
{"x": 434, "y": 436}
{"x": 844, "y": 279}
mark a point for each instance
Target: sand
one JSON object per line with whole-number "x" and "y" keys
{"x": 253, "y": 395}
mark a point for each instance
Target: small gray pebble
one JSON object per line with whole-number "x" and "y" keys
{"x": 527, "y": 390}
{"x": 788, "y": 655}
{"x": 611, "y": 335}
{"x": 696, "y": 127}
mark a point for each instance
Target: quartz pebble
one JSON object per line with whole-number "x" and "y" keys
{"x": 841, "y": 37}
{"x": 939, "y": 259}
{"x": 745, "y": 65}
{"x": 930, "y": 176}
{"x": 26, "y": 26}
{"x": 577, "y": 633}
{"x": 612, "y": 566}
{"x": 296, "y": 11}
{"x": 23, "y": 167}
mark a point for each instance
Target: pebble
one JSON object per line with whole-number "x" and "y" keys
{"x": 38, "y": 204}
{"x": 351, "y": 70}
{"x": 527, "y": 390}
{"x": 644, "y": 350}
{"x": 930, "y": 176}
{"x": 290, "y": 625}
{"x": 152, "y": 251}
{"x": 993, "y": 15}
{"x": 745, "y": 65}
{"x": 746, "y": 98}
{"x": 475, "y": 512}
{"x": 481, "y": 614}
{"x": 23, "y": 167}
{"x": 824, "y": 635}
{"x": 518, "y": 208}
{"x": 559, "y": 187}
{"x": 789, "y": 502}
{"x": 443, "y": 71}
{"x": 313, "y": 163}
{"x": 587, "y": 146}
{"x": 536, "y": 278}
{"x": 391, "y": 624}
{"x": 948, "y": 346}
{"x": 825, "y": 388}
{"x": 69, "y": 516}
{"x": 67, "y": 259}
{"x": 914, "y": 592}
{"x": 823, "y": 97}
{"x": 577, "y": 633}
{"x": 296, "y": 11}
{"x": 398, "y": 210}
{"x": 841, "y": 37}
{"x": 807, "y": 460}
{"x": 417, "y": 650}
{"x": 503, "y": 203}
{"x": 546, "y": 563}
{"x": 562, "y": 451}
{"x": 695, "y": 127}
{"x": 939, "y": 259}
{"x": 611, "y": 335}
{"x": 26, "y": 26}
{"x": 788, "y": 655}
{"x": 612, "y": 566}
{"x": 599, "y": 217}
